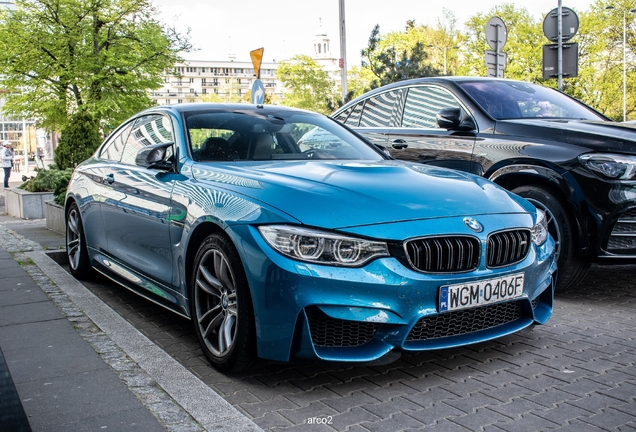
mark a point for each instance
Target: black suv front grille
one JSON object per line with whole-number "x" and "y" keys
{"x": 623, "y": 237}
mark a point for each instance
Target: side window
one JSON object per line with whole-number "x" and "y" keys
{"x": 114, "y": 146}
{"x": 354, "y": 118}
{"x": 342, "y": 117}
{"x": 382, "y": 110}
{"x": 423, "y": 103}
{"x": 147, "y": 130}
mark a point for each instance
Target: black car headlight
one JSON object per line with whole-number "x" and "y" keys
{"x": 322, "y": 247}
{"x": 610, "y": 166}
{"x": 540, "y": 229}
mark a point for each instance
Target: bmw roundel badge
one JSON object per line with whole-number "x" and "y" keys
{"x": 473, "y": 224}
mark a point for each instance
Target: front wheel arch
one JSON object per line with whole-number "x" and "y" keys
{"x": 510, "y": 178}
{"x": 572, "y": 267}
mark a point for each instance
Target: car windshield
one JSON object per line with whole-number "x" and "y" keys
{"x": 515, "y": 100}
{"x": 248, "y": 135}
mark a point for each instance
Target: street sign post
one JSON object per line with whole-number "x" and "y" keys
{"x": 560, "y": 60}
{"x": 569, "y": 24}
{"x": 496, "y": 63}
{"x": 496, "y": 36}
{"x": 570, "y": 64}
{"x": 258, "y": 90}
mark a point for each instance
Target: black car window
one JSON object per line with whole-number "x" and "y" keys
{"x": 147, "y": 130}
{"x": 114, "y": 145}
{"x": 354, "y": 118}
{"x": 512, "y": 99}
{"x": 342, "y": 117}
{"x": 423, "y": 103}
{"x": 382, "y": 110}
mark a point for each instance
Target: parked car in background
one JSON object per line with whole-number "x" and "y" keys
{"x": 280, "y": 249}
{"x": 563, "y": 156}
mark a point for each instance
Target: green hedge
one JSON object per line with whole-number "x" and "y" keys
{"x": 50, "y": 180}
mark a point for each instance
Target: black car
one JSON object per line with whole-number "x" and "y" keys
{"x": 563, "y": 156}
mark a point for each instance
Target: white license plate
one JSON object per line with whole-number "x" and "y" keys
{"x": 479, "y": 293}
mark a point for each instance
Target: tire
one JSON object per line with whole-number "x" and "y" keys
{"x": 571, "y": 267}
{"x": 221, "y": 306}
{"x": 76, "y": 250}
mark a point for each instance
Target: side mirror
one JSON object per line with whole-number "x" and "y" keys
{"x": 455, "y": 119}
{"x": 154, "y": 156}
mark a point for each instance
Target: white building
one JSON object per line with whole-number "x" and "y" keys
{"x": 229, "y": 80}
{"x": 322, "y": 55}
{"x": 197, "y": 80}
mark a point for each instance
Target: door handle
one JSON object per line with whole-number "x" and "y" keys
{"x": 399, "y": 144}
{"x": 109, "y": 178}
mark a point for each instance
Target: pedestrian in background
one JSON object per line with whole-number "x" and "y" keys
{"x": 7, "y": 162}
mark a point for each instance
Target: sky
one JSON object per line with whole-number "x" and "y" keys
{"x": 285, "y": 28}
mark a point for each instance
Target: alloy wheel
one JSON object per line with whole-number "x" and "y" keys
{"x": 216, "y": 302}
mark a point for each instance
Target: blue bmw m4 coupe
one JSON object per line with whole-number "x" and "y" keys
{"x": 282, "y": 234}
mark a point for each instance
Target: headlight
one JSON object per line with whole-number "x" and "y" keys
{"x": 610, "y": 166}
{"x": 540, "y": 230}
{"x": 322, "y": 247}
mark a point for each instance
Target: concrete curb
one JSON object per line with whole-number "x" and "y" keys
{"x": 198, "y": 399}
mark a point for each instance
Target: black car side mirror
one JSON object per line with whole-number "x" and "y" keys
{"x": 455, "y": 119}
{"x": 154, "y": 156}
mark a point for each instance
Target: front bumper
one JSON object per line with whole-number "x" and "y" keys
{"x": 360, "y": 314}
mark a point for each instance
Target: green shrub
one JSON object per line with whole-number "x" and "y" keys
{"x": 78, "y": 140}
{"x": 50, "y": 180}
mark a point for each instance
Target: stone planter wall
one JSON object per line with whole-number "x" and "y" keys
{"x": 26, "y": 205}
{"x": 55, "y": 217}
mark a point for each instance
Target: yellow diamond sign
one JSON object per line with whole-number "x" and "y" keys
{"x": 257, "y": 58}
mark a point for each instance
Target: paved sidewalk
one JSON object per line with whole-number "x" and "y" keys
{"x": 76, "y": 364}
{"x": 62, "y": 382}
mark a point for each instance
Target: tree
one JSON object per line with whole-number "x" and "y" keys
{"x": 306, "y": 85}
{"x": 58, "y": 57}
{"x": 397, "y": 56}
{"x": 600, "y": 80}
{"x": 78, "y": 141}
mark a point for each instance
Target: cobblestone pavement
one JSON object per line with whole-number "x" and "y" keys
{"x": 575, "y": 373}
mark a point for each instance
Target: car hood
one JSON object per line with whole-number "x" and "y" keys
{"x": 596, "y": 135}
{"x": 346, "y": 194}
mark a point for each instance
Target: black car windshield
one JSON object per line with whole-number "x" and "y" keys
{"x": 514, "y": 100}
{"x": 249, "y": 135}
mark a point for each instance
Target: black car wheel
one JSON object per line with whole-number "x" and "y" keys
{"x": 221, "y": 305}
{"x": 571, "y": 268}
{"x": 76, "y": 249}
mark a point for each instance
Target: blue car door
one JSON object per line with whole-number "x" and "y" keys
{"x": 138, "y": 205}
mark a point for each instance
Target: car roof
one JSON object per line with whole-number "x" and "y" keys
{"x": 223, "y": 107}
